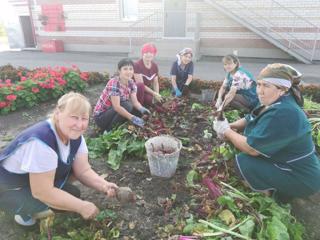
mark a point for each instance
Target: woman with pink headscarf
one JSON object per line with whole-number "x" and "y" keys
{"x": 146, "y": 75}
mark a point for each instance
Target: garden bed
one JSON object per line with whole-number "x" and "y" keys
{"x": 164, "y": 208}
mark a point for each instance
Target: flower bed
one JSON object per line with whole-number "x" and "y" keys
{"x": 29, "y": 88}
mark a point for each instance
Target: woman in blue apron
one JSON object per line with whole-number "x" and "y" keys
{"x": 277, "y": 151}
{"x": 35, "y": 168}
{"x": 238, "y": 89}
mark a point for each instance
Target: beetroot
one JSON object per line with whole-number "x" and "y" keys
{"x": 214, "y": 190}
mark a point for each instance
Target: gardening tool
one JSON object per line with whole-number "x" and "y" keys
{"x": 219, "y": 113}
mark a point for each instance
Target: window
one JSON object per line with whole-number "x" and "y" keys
{"x": 129, "y": 9}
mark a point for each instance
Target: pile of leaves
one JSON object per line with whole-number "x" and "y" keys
{"x": 231, "y": 211}
{"x": 115, "y": 145}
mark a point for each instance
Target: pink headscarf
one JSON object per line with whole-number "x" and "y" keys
{"x": 149, "y": 47}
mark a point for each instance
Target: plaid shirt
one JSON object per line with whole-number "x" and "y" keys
{"x": 114, "y": 88}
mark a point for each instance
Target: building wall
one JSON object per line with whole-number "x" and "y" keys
{"x": 96, "y": 25}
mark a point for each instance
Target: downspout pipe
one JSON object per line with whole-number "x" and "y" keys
{"x": 32, "y": 24}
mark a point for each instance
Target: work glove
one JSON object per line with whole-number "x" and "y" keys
{"x": 137, "y": 121}
{"x": 158, "y": 98}
{"x": 185, "y": 90}
{"x": 220, "y": 127}
{"x": 178, "y": 92}
{"x": 218, "y": 103}
{"x": 144, "y": 110}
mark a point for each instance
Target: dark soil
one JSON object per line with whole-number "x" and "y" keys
{"x": 160, "y": 203}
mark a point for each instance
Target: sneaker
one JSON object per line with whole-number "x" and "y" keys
{"x": 27, "y": 221}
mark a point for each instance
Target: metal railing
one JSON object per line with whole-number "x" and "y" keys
{"x": 152, "y": 28}
{"x": 296, "y": 34}
{"x": 149, "y": 27}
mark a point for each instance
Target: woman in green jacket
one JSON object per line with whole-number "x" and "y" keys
{"x": 277, "y": 152}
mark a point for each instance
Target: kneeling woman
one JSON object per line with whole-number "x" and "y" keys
{"x": 118, "y": 100}
{"x": 278, "y": 154}
{"x": 238, "y": 89}
{"x": 36, "y": 167}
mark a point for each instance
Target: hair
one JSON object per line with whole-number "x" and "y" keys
{"x": 72, "y": 102}
{"x": 125, "y": 62}
{"x": 279, "y": 70}
{"x": 186, "y": 51}
{"x": 232, "y": 58}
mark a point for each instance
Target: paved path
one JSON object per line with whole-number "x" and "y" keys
{"x": 206, "y": 69}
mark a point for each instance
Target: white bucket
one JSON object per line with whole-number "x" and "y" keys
{"x": 163, "y": 153}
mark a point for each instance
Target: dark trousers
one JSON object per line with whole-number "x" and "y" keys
{"x": 19, "y": 200}
{"x": 110, "y": 118}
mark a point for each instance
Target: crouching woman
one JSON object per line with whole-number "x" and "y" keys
{"x": 35, "y": 168}
{"x": 118, "y": 101}
{"x": 278, "y": 154}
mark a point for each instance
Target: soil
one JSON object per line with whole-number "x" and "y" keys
{"x": 159, "y": 202}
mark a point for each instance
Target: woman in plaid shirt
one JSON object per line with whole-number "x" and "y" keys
{"x": 119, "y": 99}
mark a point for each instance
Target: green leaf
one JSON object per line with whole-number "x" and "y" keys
{"x": 229, "y": 201}
{"x": 296, "y": 231}
{"x": 114, "y": 158}
{"x": 197, "y": 106}
{"x": 247, "y": 228}
{"x": 191, "y": 177}
{"x": 276, "y": 230}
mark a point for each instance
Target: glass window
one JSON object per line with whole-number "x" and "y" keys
{"x": 129, "y": 9}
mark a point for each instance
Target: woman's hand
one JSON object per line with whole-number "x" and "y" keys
{"x": 220, "y": 127}
{"x": 137, "y": 121}
{"x": 109, "y": 189}
{"x": 158, "y": 97}
{"x": 178, "y": 92}
{"x": 144, "y": 110}
{"x": 218, "y": 103}
{"x": 89, "y": 210}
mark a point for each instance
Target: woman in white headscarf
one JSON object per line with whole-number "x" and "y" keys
{"x": 182, "y": 72}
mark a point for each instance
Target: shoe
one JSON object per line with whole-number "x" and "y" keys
{"x": 26, "y": 222}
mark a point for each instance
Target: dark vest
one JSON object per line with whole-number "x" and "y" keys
{"x": 44, "y": 133}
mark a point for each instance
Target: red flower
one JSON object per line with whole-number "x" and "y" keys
{"x": 11, "y": 97}
{"x": 18, "y": 87}
{"x": 35, "y": 90}
{"x": 23, "y": 79}
{"x": 84, "y": 76}
{"x": 8, "y": 81}
{"x": 3, "y": 104}
{"x": 75, "y": 67}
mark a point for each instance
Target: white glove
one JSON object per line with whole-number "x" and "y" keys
{"x": 218, "y": 103}
{"x": 220, "y": 127}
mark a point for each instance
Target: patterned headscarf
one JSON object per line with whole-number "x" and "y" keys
{"x": 283, "y": 75}
{"x": 183, "y": 52}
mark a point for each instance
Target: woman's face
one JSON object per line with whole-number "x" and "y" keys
{"x": 71, "y": 125}
{"x": 268, "y": 93}
{"x": 186, "y": 58}
{"x": 229, "y": 66}
{"x": 148, "y": 57}
{"x": 126, "y": 72}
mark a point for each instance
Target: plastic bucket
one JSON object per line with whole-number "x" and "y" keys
{"x": 163, "y": 153}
